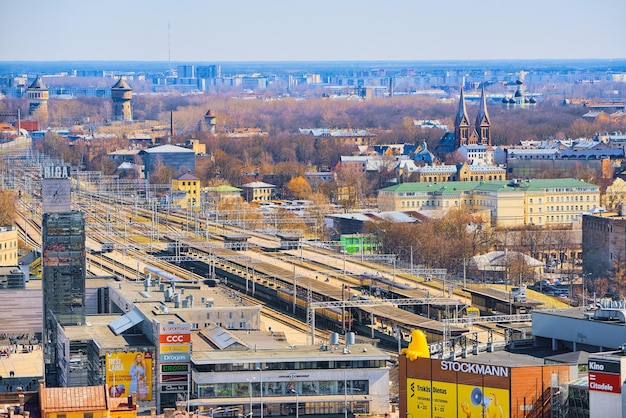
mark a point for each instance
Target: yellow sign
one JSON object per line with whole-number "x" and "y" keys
{"x": 128, "y": 373}
{"x": 174, "y": 348}
{"x": 418, "y": 398}
{"x": 446, "y": 400}
{"x": 476, "y": 401}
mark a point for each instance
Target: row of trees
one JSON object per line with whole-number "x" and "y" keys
{"x": 445, "y": 242}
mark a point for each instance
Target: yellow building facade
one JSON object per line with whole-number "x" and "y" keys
{"x": 510, "y": 203}
{"x": 8, "y": 246}
{"x": 461, "y": 172}
{"x": 190, "y": 185}
{"x": 197, "y": 147}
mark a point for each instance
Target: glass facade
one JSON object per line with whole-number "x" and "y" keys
{"x": 64, "y": 266}
{"x": 63, "y": 282}
{"x": 304, "y": 385}
{"x": 270, "y": 389}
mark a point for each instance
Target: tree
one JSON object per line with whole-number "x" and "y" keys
{"x": 7, "y": 207}
{"x": 161, "y": 173}
{"x": 528, "y": 240}
{"x": 298, "y": 188}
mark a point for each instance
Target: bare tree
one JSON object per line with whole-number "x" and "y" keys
{"x": 7, "y": 207}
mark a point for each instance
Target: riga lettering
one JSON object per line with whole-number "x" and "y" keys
{"x": 56, "y": 172}
{"x": 456, "y": 366}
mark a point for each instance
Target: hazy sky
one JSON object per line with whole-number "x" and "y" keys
{"x": 311, "y": 30}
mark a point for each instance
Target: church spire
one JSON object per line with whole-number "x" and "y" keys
{"x": 461, "y": 123}
{"x": 461, "y": 115}
{"x": 482, "y": 120}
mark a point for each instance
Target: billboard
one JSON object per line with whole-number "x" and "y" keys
{"x": 604, "y": 375}
{"x": 128, "y": 373}
{"x": 442, "y": 389}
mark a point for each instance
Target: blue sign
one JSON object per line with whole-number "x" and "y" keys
{"x": 174, "y": 357}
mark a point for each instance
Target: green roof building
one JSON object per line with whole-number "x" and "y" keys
{"x": 505, "y": 202}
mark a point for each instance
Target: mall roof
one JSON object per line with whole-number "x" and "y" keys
{"x": 294, "y": 353}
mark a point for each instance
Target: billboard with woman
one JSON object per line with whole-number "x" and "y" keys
{"x": 128, "y": 373}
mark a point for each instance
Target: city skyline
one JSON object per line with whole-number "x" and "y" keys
{"x": 279, "y": 30}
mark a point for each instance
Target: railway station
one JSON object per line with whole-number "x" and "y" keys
{"x": 211, "y": 318}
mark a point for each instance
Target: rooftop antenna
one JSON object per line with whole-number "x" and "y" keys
{"x": 169, "y": 47}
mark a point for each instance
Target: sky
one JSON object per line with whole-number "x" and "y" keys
{"x": 312, "y": 30}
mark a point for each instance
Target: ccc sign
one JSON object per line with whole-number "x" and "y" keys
{"x": 175, "y": 338}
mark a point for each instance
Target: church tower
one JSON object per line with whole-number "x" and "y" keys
{"x": 38, "y": 99}
{"x": 461, "y": 123}
{"x": 482, "y": 121}
{"x": 122, "y": 94}
{"x": 209, "y": 120}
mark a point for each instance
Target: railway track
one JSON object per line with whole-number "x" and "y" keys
{"x": 320, "y": 335}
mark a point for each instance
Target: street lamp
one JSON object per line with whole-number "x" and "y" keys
{"x": 260, "y": 369}
{"x": 297, "y": 403}
{"x": 345, "y": 394}
{"x": 250, "y": 380}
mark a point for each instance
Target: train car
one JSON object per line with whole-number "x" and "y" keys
{"x": 472, "y": 312}
{"x": 377, "y": 284}
{"x": 333, "y": 313}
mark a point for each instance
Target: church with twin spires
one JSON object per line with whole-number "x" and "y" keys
{"x": 463, "y": 133}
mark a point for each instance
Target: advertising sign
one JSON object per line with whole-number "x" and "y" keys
{"x": 443, "y": 399}
{"x": 174, "y": 357}
{"x": 174, "y": 388}
{"x": 449, "y": 399}
{"x": 174, "y": 338}
{"x": 604, "y": 366}
{"x": 418, "y": 398}
{"x": 174, "y": 378}
{"x": 174, "y": 348}
{"x": 128, "y": 373}
{"x": 175, "y": 328}
{"x": 479, "y": 401}
{"x": 174, "y": 368}
{"x": 605, "y": 382}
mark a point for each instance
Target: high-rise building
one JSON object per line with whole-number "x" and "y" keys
{"x": 208, "y": 71}
{"x": 63, "y": 260}
{"x": 185, "y": 71}
{"x": 122, "y": 94}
